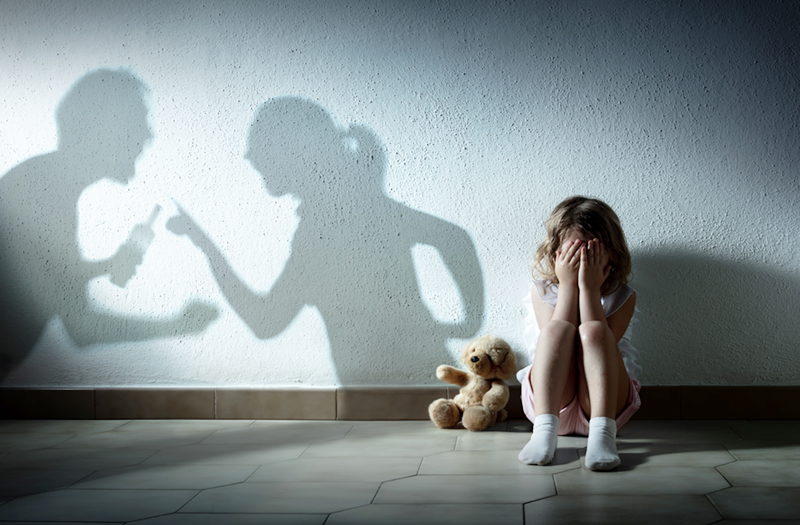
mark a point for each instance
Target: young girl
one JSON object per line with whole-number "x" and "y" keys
{"x": 583, "y": 376}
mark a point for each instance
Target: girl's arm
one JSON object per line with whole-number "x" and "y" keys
{"x": 619, "y": 320}
{"x": 594, "y": 270}
{"x": 593, "y": 273}
{"x": 567, "y": 265}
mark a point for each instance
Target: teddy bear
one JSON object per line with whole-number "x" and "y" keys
{"x": 484, "y": 393}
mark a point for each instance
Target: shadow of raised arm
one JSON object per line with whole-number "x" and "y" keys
{"x": 267, "y": 315}
{"x": 460, "y": 257}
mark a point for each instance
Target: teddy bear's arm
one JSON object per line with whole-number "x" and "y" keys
{"x": 451, "y": 375}
{"x": 497, "y": 396}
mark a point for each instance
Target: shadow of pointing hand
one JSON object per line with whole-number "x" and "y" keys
{"x": 181, "y": 224}
{"x": 352, "y": 252}
{"x": 184, "y": 225}
{"x": 102, "y": 130}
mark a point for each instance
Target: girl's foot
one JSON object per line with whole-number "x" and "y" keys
{"x": 601, "y": 450}
{"x": 542, "y": 446}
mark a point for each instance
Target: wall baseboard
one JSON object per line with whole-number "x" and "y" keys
{"x": 363, "y": 403}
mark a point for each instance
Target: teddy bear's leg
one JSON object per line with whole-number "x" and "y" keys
{"x": 502, "y": 415}
{"x": 478, "y": 418}
{"x": 444, "y": 413}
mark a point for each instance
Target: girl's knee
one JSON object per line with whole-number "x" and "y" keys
{"x": 595, "y": 334}
{"x": 556, "y": 329}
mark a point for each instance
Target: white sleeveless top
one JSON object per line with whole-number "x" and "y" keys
{"x": 611, "y": 303}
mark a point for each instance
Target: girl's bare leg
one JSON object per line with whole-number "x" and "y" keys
{"x": 553, "y": 373}
{"x": 553, "y": 378}
{"x": 603, "y": 390}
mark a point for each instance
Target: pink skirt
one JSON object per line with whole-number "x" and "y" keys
{"x": 572, "y": 419}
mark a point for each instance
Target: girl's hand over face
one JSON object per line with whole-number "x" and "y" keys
{"x": 568, "y": 262}
{"x": 594, "y": 266}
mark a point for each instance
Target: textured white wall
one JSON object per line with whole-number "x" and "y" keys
{"x": 684, "y": 119}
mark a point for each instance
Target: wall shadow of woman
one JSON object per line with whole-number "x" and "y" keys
{"x": 351, "y": 254}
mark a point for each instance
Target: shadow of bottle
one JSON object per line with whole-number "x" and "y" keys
{"x": 102, "y": 130}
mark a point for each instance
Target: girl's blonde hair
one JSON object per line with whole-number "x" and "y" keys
{"x": 595, "y": 219}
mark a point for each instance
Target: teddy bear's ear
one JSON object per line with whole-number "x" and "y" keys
{"x": 503, "y": 357}
{"x": 509, "y": 366}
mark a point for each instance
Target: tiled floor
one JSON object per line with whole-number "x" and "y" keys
{"x": 342, "y": 472}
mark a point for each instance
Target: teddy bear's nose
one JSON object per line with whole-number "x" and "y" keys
{"x": 475, "y": 359}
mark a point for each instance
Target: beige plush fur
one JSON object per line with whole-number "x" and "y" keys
{"x": 484, "y": 393}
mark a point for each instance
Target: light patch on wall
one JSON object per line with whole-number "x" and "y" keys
{"x": 437, "y": 287}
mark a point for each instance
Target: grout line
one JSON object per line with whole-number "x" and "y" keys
{"x": 708, "y": 497}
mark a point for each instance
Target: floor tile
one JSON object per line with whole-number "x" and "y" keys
{"x": 150, "y": 440}
{"x": 752, "y": 503}
{"x": 236, "y": 519}
{"x": 519, "y": 425}
{"x": 385, "y": 472}
{"x": 349, "y": 469}
{"x": 415, "y": 514}
{"x": 492, "y": 441}
{"x": 758, "y": 522}
{"x": 247, "y": 454}
{"x": 63, "y": 523}
{"x": 95, "y": 505}
{"x": 678, "y": 432}
{"x": 768, "y": 430}
{"x": 183, "y": 425}
{"x": 762, "y": 473}
{"x": 499, "y": 462}
{"x": 388, "y": 445}
{"x": 621, "y": 510}
{"x": 60, "y": 426}
{"x": 466, "y": 489}
{"x": 281, "y": 433}
{"x": 417, "y": 428}
{"x": 750, "y": 449}
{"x": 640, "y": 481}
{"x": 301, "y": 498}
{"x": 22, "y": 482}
{"x": 510, "y": 441}
{"x": 189, "y": 477}
{"x": 76, "y": 459}
{"x": 22, "y": 442}
{"x": 671, "y": 455}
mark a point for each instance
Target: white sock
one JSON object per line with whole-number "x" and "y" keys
{"x": 542, "y": 446}
{"x": 601, "y": 449}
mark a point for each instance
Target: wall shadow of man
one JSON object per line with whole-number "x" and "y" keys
{"x": 102, "y": 130}
{"x": 351, "y": 254}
